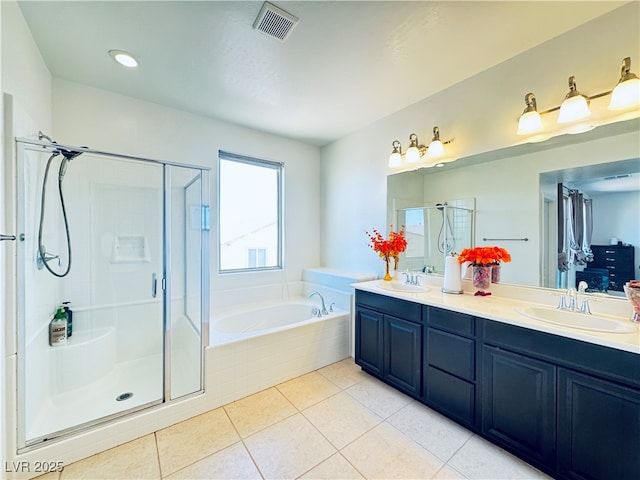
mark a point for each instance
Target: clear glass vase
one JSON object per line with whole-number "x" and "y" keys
{"x": 481, "y": 278}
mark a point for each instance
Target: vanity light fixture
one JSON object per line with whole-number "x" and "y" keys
{"x": 415, "y": 151}
{"x": 123, "y": 58}
{"x": 530, "y": 121}
{"x": 435, "y": 148}
{"x": 395, "y": 159}
{"x": 575, "y": 105}
{"x": 626, "y": 93}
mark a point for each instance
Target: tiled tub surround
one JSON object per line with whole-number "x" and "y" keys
{"x": 244, "y": 362}
{"x": 542, "y": 391}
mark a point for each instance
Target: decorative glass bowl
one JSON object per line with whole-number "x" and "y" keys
{"x": 632, "y": 291}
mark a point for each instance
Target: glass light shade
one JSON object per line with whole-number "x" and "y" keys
{"x": 412, "y": 155}
{"x": 435, "y": 150}
{"x": 395, "y": 160}
{"x": 530, "y": 122}
{"x": 625, "y": 95}
{"x": 573, "y": 108}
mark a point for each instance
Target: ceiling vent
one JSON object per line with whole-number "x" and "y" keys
{"x": 274, "y": 21}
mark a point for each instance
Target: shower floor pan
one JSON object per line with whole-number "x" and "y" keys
{"x": 129, "y": 385}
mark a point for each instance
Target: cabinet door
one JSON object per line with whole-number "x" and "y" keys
{"x": 368, "y": 348}
{"x": 403, "y": 354}
{"x": 598, "y": 428}
{"x": 518, "y": 404}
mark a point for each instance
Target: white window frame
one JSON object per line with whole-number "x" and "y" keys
{"x": 278, "y": 167}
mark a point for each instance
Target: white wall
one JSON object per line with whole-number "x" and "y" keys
{"x": 106, "y": 121}
{"x": 26, "y": 88}
{"x": 481, "y": 115}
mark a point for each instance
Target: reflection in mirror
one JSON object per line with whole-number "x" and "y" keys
{"x": 611, "y": 194}
{"x": 434, "y": 232}
{"x": 514, "y": 192}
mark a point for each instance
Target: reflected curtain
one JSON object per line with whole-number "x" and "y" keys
{"x": 575, "y": 227}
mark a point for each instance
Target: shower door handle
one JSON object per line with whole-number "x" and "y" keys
{"x": 7, "y": 237}
{"x": 154, "y": 285}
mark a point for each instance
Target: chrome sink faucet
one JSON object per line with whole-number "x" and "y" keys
{"x": 571, "y": 302}
{"x": 323, "y": 311}
{"x": 411, "y": 278}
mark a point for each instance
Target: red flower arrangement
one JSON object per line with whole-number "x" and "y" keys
{"x": 484, "y": 256}
{"x": 388, "y": 248}
{"x": 481, "y": 258}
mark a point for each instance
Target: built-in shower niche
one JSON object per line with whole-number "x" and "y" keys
{"x": 433, "y": 232}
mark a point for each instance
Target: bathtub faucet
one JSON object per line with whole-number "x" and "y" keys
{"x": 324, "y": 308}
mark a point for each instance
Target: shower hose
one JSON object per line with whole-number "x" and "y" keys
{"x": 41, "y": 250}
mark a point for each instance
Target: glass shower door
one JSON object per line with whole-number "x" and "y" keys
{"x": 113, "y": 360}
{"x": 187, "y": 231}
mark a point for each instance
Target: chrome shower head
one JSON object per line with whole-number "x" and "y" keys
{"x": 69, "y": 154}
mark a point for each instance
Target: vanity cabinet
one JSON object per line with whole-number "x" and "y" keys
{"x": 519, "y": 404}
{"x": 450, "y": 364}
{"x": 568, "y": 407}
{"x": 388, "y": 341}
{"x": 598, "y": 428}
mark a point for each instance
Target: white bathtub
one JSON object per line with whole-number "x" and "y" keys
{"x": 243, "y": 323}
{"x": 255, "y": 348}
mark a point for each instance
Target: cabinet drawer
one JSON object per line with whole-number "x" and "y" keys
{"x": 389, "y": 305}
{"x": 451, "y": 353}
{"x": 451, "y": 396}
{"x": 451, "y": 321}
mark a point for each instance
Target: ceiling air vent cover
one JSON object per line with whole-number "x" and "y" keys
{"x": 274, "y": 21}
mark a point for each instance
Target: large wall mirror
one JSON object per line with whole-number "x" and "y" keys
{"x": 513, "y": 192}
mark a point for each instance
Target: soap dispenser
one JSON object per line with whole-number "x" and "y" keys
{"x": 69, "y": 312}
{"x": 58, "y": 328}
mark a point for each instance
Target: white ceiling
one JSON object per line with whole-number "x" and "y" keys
{"x": 344, "y": 66}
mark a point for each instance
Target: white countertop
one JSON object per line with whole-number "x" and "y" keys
{"x": 502, "y": 308}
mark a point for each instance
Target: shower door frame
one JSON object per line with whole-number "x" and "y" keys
{"x": 21, "y": 144}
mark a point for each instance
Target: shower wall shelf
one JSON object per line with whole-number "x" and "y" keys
{"x": 130, "y": 249}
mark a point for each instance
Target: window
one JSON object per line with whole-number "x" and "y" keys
{"x": 250, "y": 213}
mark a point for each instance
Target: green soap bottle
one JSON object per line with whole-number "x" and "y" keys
{"x": 58, "y": 328}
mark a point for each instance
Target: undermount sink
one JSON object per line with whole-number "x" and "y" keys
{"x": 577, "y": 320}
{"x": 398, "y": 286}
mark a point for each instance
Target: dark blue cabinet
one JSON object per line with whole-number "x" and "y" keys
{"x": 568, "y": 407}
{"x": 402, "y": 354}
{"x": 368, "y": 347}
{"x": 450, "y": 364}
{"x": 519, "y": 404}
{"x": 598, "y": 428}
{"x": 388, "y": 341}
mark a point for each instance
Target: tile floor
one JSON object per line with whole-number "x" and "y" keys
{"x": 334, "y": 423}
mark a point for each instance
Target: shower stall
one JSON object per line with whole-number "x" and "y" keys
{"x": 434, "y": 232}
{"x": 124, "y": 240}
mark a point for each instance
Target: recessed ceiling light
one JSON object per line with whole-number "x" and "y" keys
{"x": 123, "y": 58}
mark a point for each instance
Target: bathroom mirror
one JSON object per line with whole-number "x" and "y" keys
{"x": 515, "y": 204}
